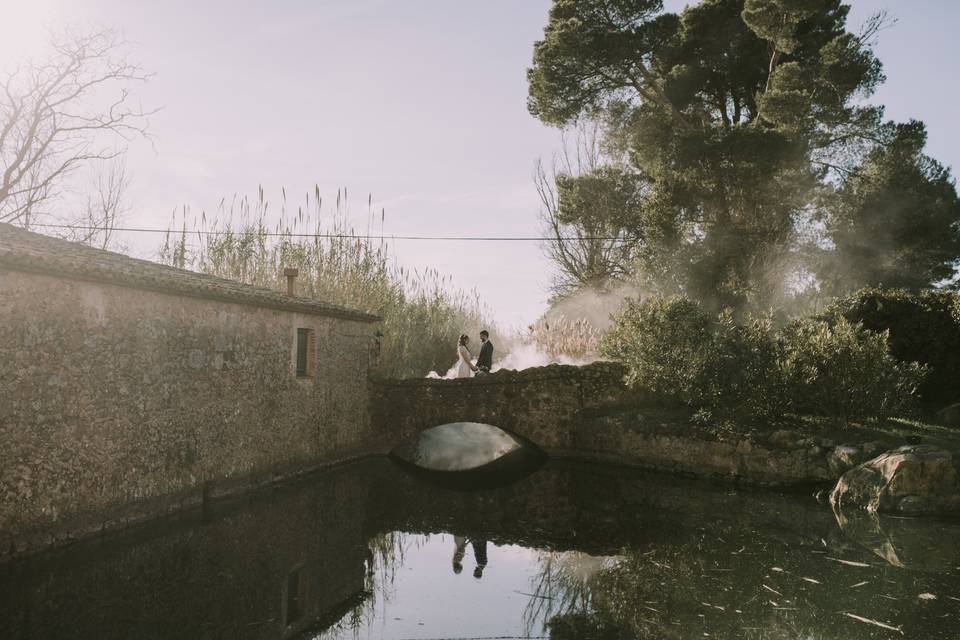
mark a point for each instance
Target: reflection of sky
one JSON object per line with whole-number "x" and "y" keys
{"x": 431, "y": 601}
{"x": 706, "y": 588}
{"x": 420, "y": 102}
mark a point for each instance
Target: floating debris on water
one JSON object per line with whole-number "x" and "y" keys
{"x": 852, "y": 563}
{"x": 873, "y": 622}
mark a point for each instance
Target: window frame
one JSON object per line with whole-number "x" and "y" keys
{"x": 305, "y": 353}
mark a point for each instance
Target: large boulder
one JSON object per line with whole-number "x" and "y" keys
{"x": 911, "y": 480}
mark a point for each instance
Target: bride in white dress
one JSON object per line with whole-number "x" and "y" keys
{"x": 465, "y": 366}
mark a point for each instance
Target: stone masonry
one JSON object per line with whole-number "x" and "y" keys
{"x": 130, "y": 389}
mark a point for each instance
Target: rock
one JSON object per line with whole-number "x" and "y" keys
{"x": 844, "y": 457}
{"x": 783, "y": 438}
{"x": 950, "y": 416}
{"x": 911, "y": 480}
{"x": 873, "y": 448}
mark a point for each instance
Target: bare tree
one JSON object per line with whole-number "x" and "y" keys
{"x": 594, "y": 251}
{"x": 72, "y": 109}
{"x": 106, "y": 202}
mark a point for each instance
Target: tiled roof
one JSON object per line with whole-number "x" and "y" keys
{"x": 23, "y": 250}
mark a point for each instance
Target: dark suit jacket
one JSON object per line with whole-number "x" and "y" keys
{"x": 485, "y": 359}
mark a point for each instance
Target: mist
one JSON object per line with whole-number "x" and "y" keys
{"x": 569, "y": 332}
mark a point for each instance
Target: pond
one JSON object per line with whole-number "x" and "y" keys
{"x": 571, "y": 551}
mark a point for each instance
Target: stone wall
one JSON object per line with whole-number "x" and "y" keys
{"x": 120, "y": 403}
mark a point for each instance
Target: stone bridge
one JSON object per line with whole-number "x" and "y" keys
{"x": 545, "y": 405}
{"x": 587, "y": 413}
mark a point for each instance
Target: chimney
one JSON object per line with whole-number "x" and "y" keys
{"x": 291, "y": 274}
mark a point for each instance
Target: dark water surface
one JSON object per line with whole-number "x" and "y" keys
{"x": 368, "y": 551}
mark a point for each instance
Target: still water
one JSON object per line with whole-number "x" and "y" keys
{"x": 570, "y": 551}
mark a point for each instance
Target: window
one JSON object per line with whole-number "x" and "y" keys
{"x": 306, "y": 353}
{"x": 295, "y": 595}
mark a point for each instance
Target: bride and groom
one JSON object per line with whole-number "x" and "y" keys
{"x": 465, "y": 366}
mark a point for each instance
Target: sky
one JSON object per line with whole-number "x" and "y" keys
{"x": 420, "y": 104}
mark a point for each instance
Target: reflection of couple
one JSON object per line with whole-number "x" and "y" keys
{"x": 479, "y": 554}
{"x": 465, "y": 366}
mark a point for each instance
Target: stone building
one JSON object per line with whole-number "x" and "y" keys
{"x": 130, "y": 389}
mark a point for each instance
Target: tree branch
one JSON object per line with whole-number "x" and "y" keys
{"x": 51, "y": 122}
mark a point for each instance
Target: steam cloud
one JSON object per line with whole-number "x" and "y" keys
{"x": 569, "y": 332}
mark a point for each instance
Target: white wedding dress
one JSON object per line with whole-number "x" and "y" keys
{"x": 463, "y": 363}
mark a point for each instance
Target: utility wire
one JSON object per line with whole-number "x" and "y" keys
{"x": 350, "y": 236}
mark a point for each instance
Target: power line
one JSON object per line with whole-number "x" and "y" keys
{"x": 347, "y": 236}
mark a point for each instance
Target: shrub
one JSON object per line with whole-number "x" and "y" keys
{"x": 924, "y": 327}
{"x": 663, "y": 345}
{"x": 843, "y": 370}
{"x": 674, "y": 348}
{"x": 750, "y": 372}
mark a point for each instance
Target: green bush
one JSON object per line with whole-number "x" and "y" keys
{"x": 752, "y": 372}
{"x": 843, "y": 370}
{"x": 674, "y": 348}
{"x": 924, "y": 327}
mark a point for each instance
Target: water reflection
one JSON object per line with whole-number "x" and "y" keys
{"x": 570, "y": 551}
{"x": 563, "y": 585}
{"x": 916, "y": 543}
{"x": 479, "y": 554}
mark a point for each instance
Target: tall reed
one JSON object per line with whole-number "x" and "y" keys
{"x": 423, "y": 313}
{"x": 560, "y": 337}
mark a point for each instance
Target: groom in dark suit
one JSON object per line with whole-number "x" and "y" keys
{"x": 485, "y": 359}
